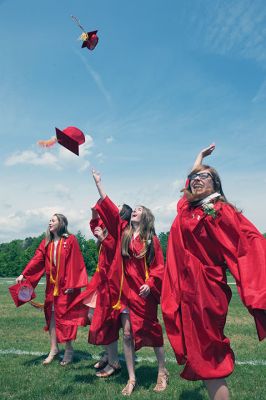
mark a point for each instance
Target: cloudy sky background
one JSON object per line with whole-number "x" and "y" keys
{"x": 167, "y": 78}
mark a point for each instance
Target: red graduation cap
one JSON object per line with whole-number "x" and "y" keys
{"x": 22, "y": 293}
{"x": 70, "y": 137}
{"x": 90, "y": 39}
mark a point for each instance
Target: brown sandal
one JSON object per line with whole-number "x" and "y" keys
{"x": 51, "y": 356}
{"x": 109, "y": 370}
{"x": 68, "y": 357}
{"x": 128, "y": 389}
{"x": 162, "y": 381}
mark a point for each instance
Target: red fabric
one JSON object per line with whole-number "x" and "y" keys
{"x": 146, "y": 328}
{"x": 105, "y": 325}
{"x": 195, "y": 294}
{"x": 72, "y": 275}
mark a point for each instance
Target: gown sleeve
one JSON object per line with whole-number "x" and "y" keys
{"x": 35, "y": 269}
{"x": 243, "y": 248}
{"x": 156, "y": 270}
{"x": 76, "y": 274}
{"x": 94, "y": 223}
{"x": 109, "y": 213}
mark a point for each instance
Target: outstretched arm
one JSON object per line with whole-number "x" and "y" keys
{"x": 97, "y": 179}
{"x": 202, "y": 154}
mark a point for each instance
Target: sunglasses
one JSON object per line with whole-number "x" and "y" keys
{"x": 200, "y": 175}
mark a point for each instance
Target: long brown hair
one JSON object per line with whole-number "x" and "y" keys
{"x": 216, "y": 180}
{"x": 61, "y": 230}
{"x": 147, "y": 231}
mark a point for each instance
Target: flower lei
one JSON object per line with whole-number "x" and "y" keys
{"x": 209, "y": 209}
{"x": 208, "y": 206}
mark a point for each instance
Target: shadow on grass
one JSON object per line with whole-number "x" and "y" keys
{"x": 78, "y": 357}
{"x": 192, "y": 394}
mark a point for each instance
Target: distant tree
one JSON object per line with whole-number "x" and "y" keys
{"x": 15, "y": 255}
{"x": 163, "y": 237}
{"x": 89, "y": 251}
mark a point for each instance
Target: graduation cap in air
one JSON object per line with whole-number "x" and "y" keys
{"x": 22, "y": 293}
{"x": 71, "y": 138}
{"x": 90, "y": 39}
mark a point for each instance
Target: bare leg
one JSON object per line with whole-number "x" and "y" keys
{"x": 128, "y": 346}
{"x": 53, "y": 342}
{"x": 112, "y": 351}
{"x": 159, "y": 352}
{"x": 217, "y": 389}
{"x": 163, "y": 374}
{"x": 113, "y": 365}
{"x": 129, "y": 352}
{"x": 68, "y": 355}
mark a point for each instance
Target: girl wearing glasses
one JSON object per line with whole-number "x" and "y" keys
{"x": 208, "y": 236}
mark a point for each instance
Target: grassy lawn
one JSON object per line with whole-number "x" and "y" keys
{"x": 24, "y": 376}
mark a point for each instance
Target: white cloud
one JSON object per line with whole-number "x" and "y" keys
{"x": 33, "y": 158}
{"x": 110, "y": 139}
{"x": 57, "y": 157}
{"x": 236, "y": 28}
{"x": 33, "y": 222}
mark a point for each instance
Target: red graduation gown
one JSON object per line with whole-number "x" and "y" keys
{"x": 146, "y": 328}
{"x": 105, "y": 325}
{"x": 72, "y": 275}
{"x": 195, "y": 294}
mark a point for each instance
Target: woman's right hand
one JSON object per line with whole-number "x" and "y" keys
{"x": 96, "y": 176}
{"x": 206, "y": 152}
{"x": 98, "y": 232}
{"x": 20, "y": 278}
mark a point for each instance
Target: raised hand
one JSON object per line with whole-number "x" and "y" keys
{"x": 99, "y": 233}
{"x": 203, "y": 153}
{"x": 206, "y": 152}
{"x": 96, "y": 176}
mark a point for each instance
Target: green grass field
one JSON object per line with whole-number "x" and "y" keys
{"x": 24, "y": 377}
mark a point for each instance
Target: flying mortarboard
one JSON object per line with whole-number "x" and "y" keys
{"x": 71, "y": 138}
{"x": 22, "y": 293}
{"x": 90, "y": 39}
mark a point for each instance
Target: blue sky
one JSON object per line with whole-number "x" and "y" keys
{"x": 166, "y": 79}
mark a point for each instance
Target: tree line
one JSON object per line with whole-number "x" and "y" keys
{"x": 15, "y": 255}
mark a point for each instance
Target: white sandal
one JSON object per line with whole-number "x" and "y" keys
{"x": 51, "y": 356}
{"x": 128, "y": 389}
{"x": 162, "y": 381}
{"x": 68, "y": 357}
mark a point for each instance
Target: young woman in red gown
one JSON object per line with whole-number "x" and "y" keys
{"x": 138, "y": 268}
{"x": 60, "y": 259}
{"x": 208, "y": 236}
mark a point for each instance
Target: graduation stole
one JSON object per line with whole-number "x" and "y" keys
{"x": 97, "y": 266}
{"x": 52, "y": 279}
{"x": 117, "y": 305}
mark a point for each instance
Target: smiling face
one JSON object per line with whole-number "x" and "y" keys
{"x": 136, "y": 214}
{"x": 201, "y": 183}
{"x": 53, "y": 224}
